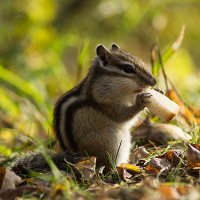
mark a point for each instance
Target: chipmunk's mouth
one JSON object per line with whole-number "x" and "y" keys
{"x": 138, "y": 90}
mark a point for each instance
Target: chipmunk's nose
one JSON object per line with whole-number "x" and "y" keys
{"x": 147, "y": 78}
{"x": 152, "y": 82}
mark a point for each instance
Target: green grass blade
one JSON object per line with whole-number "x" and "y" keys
{"x": 169, "y": 52}
{"x": 21, "y": 86}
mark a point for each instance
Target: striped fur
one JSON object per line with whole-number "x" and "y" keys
{"x": 96, "y": 115}
{"x": 59, "y": 113}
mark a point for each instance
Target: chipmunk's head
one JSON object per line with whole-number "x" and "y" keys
{"x": 120, "y": 73}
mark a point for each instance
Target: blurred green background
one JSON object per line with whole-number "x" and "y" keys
{"x": 47, "y": 46}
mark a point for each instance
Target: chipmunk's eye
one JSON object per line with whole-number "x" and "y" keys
{"x": 128, "y": 69}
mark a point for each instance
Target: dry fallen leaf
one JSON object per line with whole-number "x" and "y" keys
{"x": 193, "y": 155}
{"x": 195, "y": 111}
{"x": 8, "y": 179}
{"x": 158, "y": 164}
{"x": 138, "y": 154}
{"x": 167, "y": 192}
{"x": 12, "y": 194}
{"x": 182, "y": 189}
{"x": 185, "y": 111}
{"x": 124, "y": 175}
{"x": 197, "y": 146}
{"x": 174, "y": 156}
{"x": 86, "y": 167}
{"x": 126, "y": 170}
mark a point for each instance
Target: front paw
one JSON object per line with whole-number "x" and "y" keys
{"x": 142, "y": 99}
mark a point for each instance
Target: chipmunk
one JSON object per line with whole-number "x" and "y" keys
{"x": 96, "y": 116}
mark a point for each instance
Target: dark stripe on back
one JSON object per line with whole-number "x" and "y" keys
{"x": 58, "y": 110}
{"x": 68, "y": 127}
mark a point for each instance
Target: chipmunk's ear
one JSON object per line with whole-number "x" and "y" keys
{"x": 102, "y": 53}
{"x": 115, "y": 46}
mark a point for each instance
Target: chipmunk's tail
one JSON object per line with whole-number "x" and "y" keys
{"x": 36, "y": 162}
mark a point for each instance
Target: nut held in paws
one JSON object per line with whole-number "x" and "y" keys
{"x": 162, "y": 106}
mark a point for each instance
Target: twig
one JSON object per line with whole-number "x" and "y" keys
{"x": 162, "y": 65}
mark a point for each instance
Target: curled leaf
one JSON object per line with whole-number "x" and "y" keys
{"x": 174, "y": 157}
{"x": 158, "y": 164}
{"x": 8, "y": 179}
{"x": 138, "y": 154}
{"x": 124, "y": 175}
{"x": 193, "y": 155}
{"x": 126, "y": 171}
{"x": 86, "y": 167}
{"x": 187, "y": 113}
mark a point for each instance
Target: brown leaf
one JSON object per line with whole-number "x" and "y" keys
{"x": 193, "y": 155}
{"x": 182, "y": 189}
{"x": 195, "y": 111}
{"x": 197, "y": 146}
{"x": 167, "y": 192}
{"x": 138, "y": 154}
{"x": 174, "y": 156}
{"x": 185, "y": 111}
{"x": 8, "y": 179}
{"x": 124, "y": 175}
{"x": 126, "y": 170}
{"x": 12, "y": 194}
{"x": 158, "y": 164}
{"x": 86, "y": 167}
